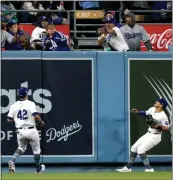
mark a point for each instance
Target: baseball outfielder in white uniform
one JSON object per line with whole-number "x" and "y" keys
{"x": 158, "y": 122}
{"x": 25, "y": 116}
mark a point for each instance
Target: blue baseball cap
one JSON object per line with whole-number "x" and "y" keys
{"x": 22, "y": 92}
{"x": 42, "y": 18}
{"x": 112, "y": 20}
{"x": 163, "y": 102}
{"x": 11, "y": 22}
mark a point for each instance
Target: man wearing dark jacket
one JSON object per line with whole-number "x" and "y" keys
{"x": 14, "y": 30}
{"x": 55, "y": 40}
{"x": 134, "y": 33}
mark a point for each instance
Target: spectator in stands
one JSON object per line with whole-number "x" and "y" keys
{"x": 6, "y": 6}
{"x": 5, "y": 36}
{"x": 7, "y": 16}
{"x": 39, "y": 33}
{"x": 16, "y": 32}
{"x": 26, "y": 17}
{"x": 25, "y": 43}
{"x": 140, "y": 5}
{"x": 57, "y": 17}
{"x": 89, "y": 5}
{"x": 163, "y": 16}
{"x": 134, "y": 33}
{"x": 111, "y": 15}
{"x": 111, "y": 37}
{"x": 55, "y": 40}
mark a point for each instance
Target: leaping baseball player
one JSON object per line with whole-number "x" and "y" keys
{"x": 158, "y": 122}
{"x": 26, "y": 117}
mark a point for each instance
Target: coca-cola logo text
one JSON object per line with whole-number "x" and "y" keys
{"x": 163, "y": 40}
{"x": 160, "y": 37}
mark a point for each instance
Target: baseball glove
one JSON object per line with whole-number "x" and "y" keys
{"x": 39, "y": 125}
{"x": 101, "y": 30}
{"x": 150, "y": 121}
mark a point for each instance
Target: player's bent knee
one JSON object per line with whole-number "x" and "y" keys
{"x": 21, "y": 149}
{"x": 141, "y": 150}
{"x": 134, "y": 149}
{"x": 37, "y": 156}
{"x": 36, "y": 151}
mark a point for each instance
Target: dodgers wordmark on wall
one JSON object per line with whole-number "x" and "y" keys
{"x": 62, "y": 91}
{"x": 150, "y": 79}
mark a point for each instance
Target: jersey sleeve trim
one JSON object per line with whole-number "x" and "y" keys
{"x": 142, "y": 113}
{"x": 34, "y": 114}
{"x": 10, "y": 118}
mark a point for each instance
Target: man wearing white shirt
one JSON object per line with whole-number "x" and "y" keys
{"x": 39, "y": 33}
{"x": 112, "y": 39}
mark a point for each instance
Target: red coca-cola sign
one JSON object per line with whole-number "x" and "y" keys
{"x": 160, "y": 36}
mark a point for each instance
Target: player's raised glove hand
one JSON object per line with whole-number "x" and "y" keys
{"x": 40, "y": 125}
{"x": 134, "y": 111}
{"x": 150, "y": 121}
{"x": 101, "y": 30}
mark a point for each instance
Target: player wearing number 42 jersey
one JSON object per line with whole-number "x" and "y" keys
{"x": 157, "y": 121}
{"x": 25, "y": 116}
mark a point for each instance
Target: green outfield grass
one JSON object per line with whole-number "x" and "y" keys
{"x": 90, "y": 176}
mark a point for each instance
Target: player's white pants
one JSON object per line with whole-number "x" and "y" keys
{"x": 146, "y": 142}
{"x": 25, "y": 136}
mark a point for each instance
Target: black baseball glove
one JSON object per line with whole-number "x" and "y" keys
{"x": 150, "y": 121}
{"x": 39, "y": 125}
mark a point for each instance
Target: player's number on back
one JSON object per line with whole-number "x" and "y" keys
{"x": 22, "y": 114}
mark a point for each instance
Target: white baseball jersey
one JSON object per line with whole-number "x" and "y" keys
{"x": 22, "y": 113}
{"x": 38, "y": 33}
{"x": 161, "y": 117}
{"x": 118, "y": 42}
{"x": 153, "y": 137}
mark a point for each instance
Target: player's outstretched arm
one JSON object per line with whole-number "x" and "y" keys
{"x": 136, "y": 111}
{"x": 10, "y": 120}
{"x": 39, "y": 120}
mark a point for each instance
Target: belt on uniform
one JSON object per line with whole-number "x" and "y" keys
{"x": 27, "y": 128}
{"x": 153, "y": 133}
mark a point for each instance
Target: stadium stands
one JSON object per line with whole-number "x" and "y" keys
{"x": 84, "y": 18}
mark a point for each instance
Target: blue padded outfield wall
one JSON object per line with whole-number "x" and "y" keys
{"x": 85, "y": 99}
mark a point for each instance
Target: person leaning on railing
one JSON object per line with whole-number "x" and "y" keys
{"x": 15, "y": 30}
{"x": 111, "y": 37}
{"x": 39, "y": 33}
{"x": 5, "y": 36}
{"x": 55, "y": 40}
{"x": 134, "y": 33}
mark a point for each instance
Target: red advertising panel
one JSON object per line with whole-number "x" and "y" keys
{"x": 28, "y": 28}
{"x": 160, "y": 36}
{"x": 63, "y": 28}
